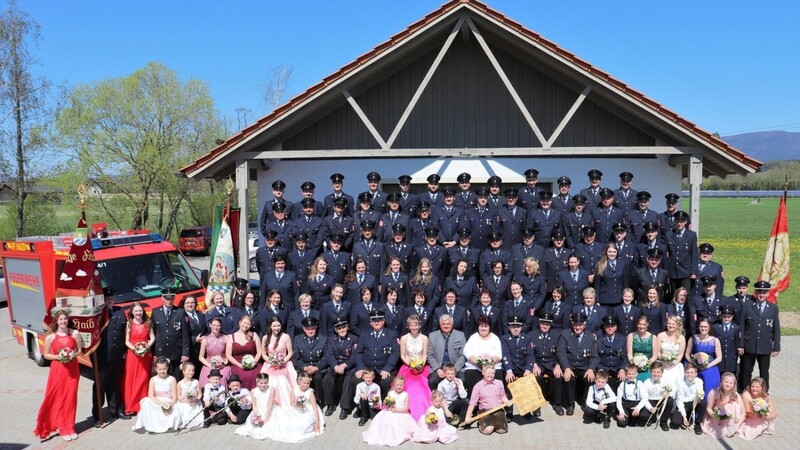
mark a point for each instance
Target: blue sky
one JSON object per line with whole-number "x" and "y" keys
{"x": 729, "y": 66}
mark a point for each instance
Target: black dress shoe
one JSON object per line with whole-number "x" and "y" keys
{"x": 606, "y": 424}
{"x": 362, "y": 421}
{"x": 344, "y": 414}
{"x": 123, "y": 416}
{"x": 97, "y": 424}
{"x": 329, "y": 411}
{"x": 559, "y": 410}
{"x": 664, "y": 427}
{"x": 357, "y": 413}
{"x": 698, "y": 431}
{"x": 570, "y": 410}
{"x": 538, "y": 412}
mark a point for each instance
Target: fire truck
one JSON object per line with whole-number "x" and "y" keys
{"x": 134, "y": 266}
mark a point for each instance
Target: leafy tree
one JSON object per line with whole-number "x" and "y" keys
{"x": 132, "y": 134}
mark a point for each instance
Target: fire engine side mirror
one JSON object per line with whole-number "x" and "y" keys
{"x": 204, "y": 277}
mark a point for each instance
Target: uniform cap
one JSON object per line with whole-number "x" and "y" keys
{"x": 482, "y": 192}
{"x": 279, "y": 206}
{"x": 464, "y": 232}
{"x": 398, "y": 228}
{"x": 726, "y": 309}
{"x": 278, "y": 185}
{"x": 564, "y": 181}
{"x": 672, "y": 198}
{"x": 307, "y": 186}
{"x": 681, "y": 215}
{"x": 365, "y": 197}
{"x": 512, "y": 192}
{"x": 606, "y": 193}
{"x": 545, "y": 195}
{"x": 341, "y": 322}
{"x": 579, "y": 199}
{"x": 531, "y": 173}
{"x": 762, "y": 285}
{"x": 707, "y": 280}
{"x": 341, "y": 202}
{"x": 431, "y": 232}
{"x": 619, "y": 226}
{"x": 546, "y": 318}
{"x": 449, "y": 191}
{"x": 494, "y": 180}
{"x": 742, "y": 280}
{"x": 367, "y": 224}
{"x": 650, "y": 226}
{"x": 578, "y": 317}
{"x": 464, "y": 177}
{"x": 167, "y": 291}
{"x": 337, "y": 178}
{"x": 308, "y": 202}
{"x": 655, "y": 253}
{"x": 610, "y": 320}
{"x": 394, "y": 197}
{"x": 309, "y": 322}
{"x": 706, "y": 248}
{"x": 338, "y": 237}
{"x": 424, "y": 206}
{"x": 376, "y": 315}
{"x": 240, "y": 283}
{"x": 271, "y": 234}
{"x": 434, "y": 178}
{"x": 588, "y": 230}
{"x": 374, "y": 176}
{"x": 643, "y": 196}
{"x": 495, "y": 236}
{"x": 404, "y": 179}
{"x": 626, "y": 176}
{"x": 528, "y": 231}
{"x": 515, "y": 320}
{"x": 594, "y": 174}
{"x": 557, "y": 234}
{"x": 301, "y": 236}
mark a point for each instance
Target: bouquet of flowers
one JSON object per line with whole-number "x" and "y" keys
{"x": 275, "y": 360}
{"x": 191, "y": 395}
{"x": 455, "y": 420}
{"x": 431, "y": 419}
{"x": 300, "y": 401}
{"x": 417, "y": 364}
{"x": 720, "y": 413}
{"x": 217, "y": 362}
{"x": 483, "y": 360}
{"x": 702, "y": 359}
{"x": 668, "y": 357}
{"x": 642, "y": 362}
{"x": 667, "y": 388}
{"x": 376, "y": 401}
{"x": 248, "y": 362}
{"x": 166, "y": 407}
{"x": 66, "y": 355}
{"x": 388, "y": 402}
{"x": 761, "y": 407}
{"x": 256, "y": 420}
{"x": 140, "y": 348}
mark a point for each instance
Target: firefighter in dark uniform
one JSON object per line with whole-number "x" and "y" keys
{"x": 110, "y": 365}
{"x": 761, "y": 332}
{"x": 729, "y": 334}
{"x": 307, "y": 189}
{"x": 528, "y": 248}
{"x": 666, "y": 219}
{"x": 300, "y": 260}
{"x": 433, "y": 252}
{"x": 610, "y": 352}
{"x": 419, "y": 224}
{"x": 682, "y": 253}
{"x": 563, "y": 201}
{"x": 708, "y": 304}
{"x": 265, "y": 255}
{"x": 378, "y": 350}
{"x": 481, "y": 220}
{"x": 399, "y": 248}
{"x": 518, "y": 357}
{"x": 370, "y": 250}
{"x": 741, "y": 298}
{"x": 625, "y": 197}
{"x": 433, "y": 195}
{"x": 605, "y": 216}
{"x": 575, "y": 356}
{"x": 340, "y": 355}
{"x": 310, "y": 223}
{"x": 592, "y": 193}
{"x": 589, "y": 251}
{"x": 546, "y": 368}
{"x": 513, "y": 219}
{"x": 365, "y": 211}
{"x": 650, "y": 240}
{"x": 337, "y": 182}
{"x": 464, "y": 251}
{"x": 495, "y": 199}
{"x": 278, "y": 189}
{"x": 555, "y": 259}
{"x": 309, "y": 355}
{"x": 171, "y": 328}
{"x": 494, "y": 253}
{"x": 529, "y": 195}
{"x": 639, "y": 216}
{"x": 575, "y": 220}
{"x": 707, "y": 267}
{"x": 545, "y": 219}
{"x": 339, "y": 222}
{"x": 408, "y": 200}
{"x": 393, "y": 216}
{"x": 465, "y": 198}
{"x": 377, "y": 197}
{"x": 448, "y": 217}
{"x": 239, "y": 288}
{"x": 626, "y": 250}
{"x": 652, "y": 274}
{"x": 280, "y": 225}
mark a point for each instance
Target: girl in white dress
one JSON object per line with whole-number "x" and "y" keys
{"x": 441, "y": 430}
{"x": 157, "y": 413}
{"x": 189, "y": 405}
{"x": 299, "y": 420}
{"x": 394, "y": 425}
{"x": 672, "y": 346}
{"x": 262, "y": 397}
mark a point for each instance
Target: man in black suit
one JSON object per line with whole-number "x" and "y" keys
{"x": 281, "y": 279}
{"x": 197, "y": 329}
{"x": 173, "y": 337}
{"x": 340, "y": 355}
{"x": 334, "y": 310}
{"x": 761, "y": 329}
{"x": 337, "y": 183}
{"x": 575, "y": 356}
{"x": 651, "y": 275}
{"x": 110, "y": 355}
{"x": 309, "y": 355}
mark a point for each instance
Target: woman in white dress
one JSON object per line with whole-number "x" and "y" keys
{"x": 157, "y": 413}
{"x": 298, "y": 421}
{"x": 262, "y": 396}
{"x": 672, "y": 346}
{"x": 189, "y": 405}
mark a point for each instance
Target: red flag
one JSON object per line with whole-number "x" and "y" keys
{"x": 79, "y": 290}
{"x": 776, "y": 262}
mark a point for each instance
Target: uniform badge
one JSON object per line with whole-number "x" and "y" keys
{"x": 769, "y": 322}
{"x": 177, "y": 326}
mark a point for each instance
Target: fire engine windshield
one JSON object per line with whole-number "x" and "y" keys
{"x": 144, "y": 276}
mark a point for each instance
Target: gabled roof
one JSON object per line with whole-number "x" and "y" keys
{"x": 667, "y": 115}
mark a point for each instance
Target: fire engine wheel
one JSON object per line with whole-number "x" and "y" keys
{"x": 34, "y": 353}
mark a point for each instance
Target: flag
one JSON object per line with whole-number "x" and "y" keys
{"x": 222, "y": 272}
{"x": 776, "y": 262}
{"x": 80, "y": 291}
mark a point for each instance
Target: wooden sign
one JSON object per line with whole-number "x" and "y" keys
{"x": 527, "y": 394}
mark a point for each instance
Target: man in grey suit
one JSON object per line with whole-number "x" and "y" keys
{"x": 445, "y": 346}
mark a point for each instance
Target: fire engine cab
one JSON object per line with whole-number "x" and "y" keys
{"x": 134, "y": 266}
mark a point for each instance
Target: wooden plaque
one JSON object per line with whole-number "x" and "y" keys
{"x": 527, "y": 394}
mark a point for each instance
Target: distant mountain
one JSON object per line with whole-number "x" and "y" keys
{"x": 767, "y": 146}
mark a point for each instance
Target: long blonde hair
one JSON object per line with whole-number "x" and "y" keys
{"x": 601, "y": 265}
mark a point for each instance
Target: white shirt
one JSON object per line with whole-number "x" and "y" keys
{"x": 451, "y": 390}
{"x": 652, "y": 391}
{"x": 687, "y": 393}
{"x": 596, "y": 397}
{"x": 209, "y": 392}
{"x": 373, "y": 390}
{"x": 630, "y": 392}
{"x": 476, "y": 346}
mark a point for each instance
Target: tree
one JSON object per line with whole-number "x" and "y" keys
{"x": 133, "y": 134}
{"x": 276, "y": 85}
{"x": 24, "y": 107}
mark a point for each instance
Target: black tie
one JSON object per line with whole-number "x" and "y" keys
{"x": 450, "y": 311}
{"x": 360, "y": 279}
{"x": 485, "y": 311}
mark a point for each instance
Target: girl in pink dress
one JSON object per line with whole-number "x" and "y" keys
{"x": 440, "y": 431}
{"x": 724, "y": 410}
{"x": 212, "y": 353}
{"x": 61, "y": 348}
{"x": 139, "y": 339}
{"x": 758, "y": 419}
{"x": 393, "y": 425}
{"x": 414, "y": 352}
{"x": 278, "y": 362}
{"x": 241, "y": 344}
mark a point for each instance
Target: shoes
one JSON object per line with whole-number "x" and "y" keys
{"x": 570, "y": 410}
{"x": 698, "y": 431}
{"x": 509, "y": 417}
{"x": 344, "y": 414}
{"x": 357, "y": 413}
{"x": 558, "y": 409}
{"x": 66, "y": 438}
{"x": 606, "y": 424}
{"x": 206, "y": 424}
{"x": 538, "y": 412}
{"x": 362, "y": 421}
{"x": 329, "y": 411}
{"x": 73, "y": 436}
{"x": 664, "y": 427}
{"x": 97, "y": 424}
{"x": 123, "y": 416}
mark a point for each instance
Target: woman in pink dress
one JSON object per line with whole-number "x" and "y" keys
{"x": 724, "y": 409}
{"x": 243, "y": 347}
{"x": 61, "y": 348}
{"x": 414, "y": 353}
{"x": 278, "y": 362}
{"x": 758, "y": 419}
{"x": 139, "y": 339}
{"x": 212, "y": 353}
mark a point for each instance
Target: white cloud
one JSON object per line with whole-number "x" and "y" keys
{"x": 80, "y": 273}
{"x": 64, "y": 277}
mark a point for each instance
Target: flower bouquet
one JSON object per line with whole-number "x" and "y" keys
{"x": 248, "y": 362}
{"x": 256, "y": 420}
{"x": 166, "y": 407}
{"x": 191, "y": 395}
{"x": 641, "y": 361}
{"x": 388, "y": 402}
{"x": 431, "y": 419}
{"x": 668, "y": 357}
{"x": 275, "y": 360}
{"x": 140, "y": 348}
{"x": 66, "y": 355}
{"x": 300, "y": 401}
{"x": 483, "y": 360}
{"x": 761, "y": 407}
{"x": 702, "y": 359}
{"x": 721, "y": 414}
{"x": 416, "y": 366}
{"x": 455, "y": 420}
{"x": 376, "y": 401}
{"x": 217, "y": 362}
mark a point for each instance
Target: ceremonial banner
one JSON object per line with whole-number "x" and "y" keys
{"x": 222, "y": 272}
{"x": 80, "y": 292}
{"x": 775, "y": 269}
{"x": 527, "y": 394}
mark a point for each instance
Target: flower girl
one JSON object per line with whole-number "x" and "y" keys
{"x": 157, "y": 413}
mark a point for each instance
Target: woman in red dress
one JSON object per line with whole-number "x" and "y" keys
{"x": 243, "y": 343}
{"x": 57, "y": 412}
{"x": 139, "y": 339}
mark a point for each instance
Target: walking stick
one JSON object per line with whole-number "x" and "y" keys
{"x": 182, "y": 427}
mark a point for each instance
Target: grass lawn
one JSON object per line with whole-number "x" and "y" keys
{"x": 739, "y": 231}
